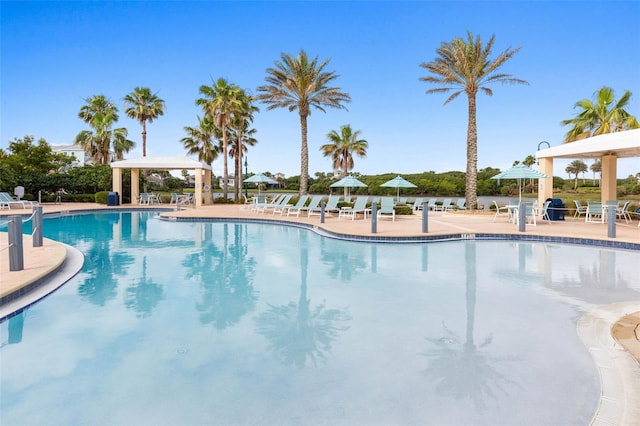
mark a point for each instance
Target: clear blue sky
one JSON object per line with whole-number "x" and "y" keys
{"x": 56, "y": 54}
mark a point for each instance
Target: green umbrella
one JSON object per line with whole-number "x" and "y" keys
{"x": 399, "y": 182}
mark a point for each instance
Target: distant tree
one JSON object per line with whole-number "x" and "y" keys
{"x": 143, "y": 106}
{"x": 465, "y": 67}
{"x": 342, "y": 147}
{"x": 604, "y": 116}
{"x": 516, "y": 162}
{"x": 298, "y": 83}
{"x": 529, "y": 160}
{"x": 596, "y": 167}
{"x": 242, "y": 135}
{"x": 575, "y": 168}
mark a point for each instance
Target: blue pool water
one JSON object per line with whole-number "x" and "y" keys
{"x": 184, "y": 323}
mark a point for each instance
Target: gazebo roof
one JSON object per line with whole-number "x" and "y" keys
{"x": 621, "y": 144}
{"x": 160, "y": 163}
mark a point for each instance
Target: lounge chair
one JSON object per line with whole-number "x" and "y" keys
{"x": 623, "y": 212}
{"x": 432, "y": 203}
{"x": 314, "y": 203}
{"x": 444, "y": 206}
{"x": 386, "y": 208}
{"x": 402, "y": 200}
{"x": 417, "y": 204}
{"x": 262, "y": 202}
{"x": 331, "y": 206}
{"x": 282, "y": 201}
{"x": 459, "y": 205}
{"x": 297, "y": 206}
{"x": 530, "y": 213}
{"x": 580, "y": 209}
{"x": 7, "y": 200}
{"x": 594, "y": 212}
{"x": 502, "y": 211}
{"x": 360, "y": 206}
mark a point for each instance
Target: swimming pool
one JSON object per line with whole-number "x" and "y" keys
{"x": 242, "y": 323}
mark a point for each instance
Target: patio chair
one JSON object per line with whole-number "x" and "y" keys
{"x": 544, "y": 213}
{"x": 623, "y": 212}
{"x": 459, "y": 205}
{"x": 444, "y": 206}
{"x": 417, "y": 204}
{"x": 432, "y": 203}
{"x": 502, "y": 211}
{"x": 282, "y": 201}
{"x": 386, "y": 208}
{"x": 360, "y": 206}
{"x": 530, "y": 213}
{"x": 402, "y": 200}
{"x": 297, "y": 206}
{"x": 315, "y": 202}
{"x": 330, "y": 207}
{"x": 580, "y": 209}
{"x": 261, "y": 202}
{"x": 594, "y": 213}
{"x": 7, "y": 200}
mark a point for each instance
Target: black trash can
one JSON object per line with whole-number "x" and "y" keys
{"x": 556, "y": 209}
{"x": 113, "y": 199}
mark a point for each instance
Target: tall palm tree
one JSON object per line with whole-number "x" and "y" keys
{"x": 242, "y": 136}
{"x": 342, "y": 147}
{"x": 221, "y": 101}
{"x": 299, "y": 83}
{"x": 575, "y": 168}
{"x": 465, "y": 67}
{"x": 596, "y": 167}
{"x": 200, "y": 141}
{"x": 604, "y": 116}
{"x": 143, "y": 106}
{"x": 101, "y": 114}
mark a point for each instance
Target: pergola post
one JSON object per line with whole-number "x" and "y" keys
{"x": 545, "y": 185}
{"x": 135, "y": 186}
{"x": 207, "y": 194}
{"x": 116, "y": 181}
{"x": 198, "y": 192}
{"x": 608, "y": 186}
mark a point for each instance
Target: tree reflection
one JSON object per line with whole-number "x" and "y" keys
{"x": 343, "y": 264}
{"x": 226, "y": 276}
{"x": 297, "y": 332}
{"x": 461, "y": 369}
{"x": 144, "y": 295}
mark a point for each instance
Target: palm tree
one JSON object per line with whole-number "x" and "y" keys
{"x": 298, "y": 83}
{"x": 221, "y": 101}
{"x": 342, "y": 147}
{"x": 465, "y": 67}
{"x": 143, "y": 106}
{"x": 242, "y": 135}
{"x": 200, "y": 141}
{"x": 575, "y": 168}
{"x": 101, "y": 114}
{"x": 605, "y": 116}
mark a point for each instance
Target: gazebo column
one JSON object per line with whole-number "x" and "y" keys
{"x": 608, "y": 186}
{"x": 135, "y": 186}
{"x": 116, "y": 181}
{"x": 207, "y": 194}
{"x": 545, "y": 186}
{"x": 198, "y": 192}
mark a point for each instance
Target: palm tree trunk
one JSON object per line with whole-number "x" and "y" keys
{"x": 471, "y": 195}
{"x": 225, "y": 175}
{"x": 344, "y": 174}
{"x": 144, "y": 138}
{"x": 304, "y": 155}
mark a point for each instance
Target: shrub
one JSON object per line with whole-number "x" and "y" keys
{"x": 101, "y": 197}
{"x": 222, "y": 200}
{"x": 403, "y": 209}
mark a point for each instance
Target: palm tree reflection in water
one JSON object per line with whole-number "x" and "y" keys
{"x": 462, "y": 370}
{"x": 297, "y": 332}
{"x": 226, "y": 277}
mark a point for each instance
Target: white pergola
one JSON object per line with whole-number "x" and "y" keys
{"x": 608, "y": 148}
{"x": 162, "y": 163}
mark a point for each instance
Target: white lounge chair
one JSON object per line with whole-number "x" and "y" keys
{"x": 331, "y": 206}
{"x": 360, "y": 206}
{"x": 502, "y": 211}
{"x": 295, "y": 207}
{"x": 386, "y": 208}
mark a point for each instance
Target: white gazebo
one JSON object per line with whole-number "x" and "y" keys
{"x": 162, "y": 163}
{"x": 608, "y": 148}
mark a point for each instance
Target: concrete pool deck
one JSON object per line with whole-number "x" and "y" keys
{"x": 621, "y": 323}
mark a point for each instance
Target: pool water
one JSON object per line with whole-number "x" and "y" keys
{"x": 176, "y": 323}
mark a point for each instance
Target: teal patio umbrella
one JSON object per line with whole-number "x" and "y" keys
{"x": 348, "y": 182}
{"x": 520, "y": 172}
{"x": 398, "y": 182}
{"x": 260, "y": 178}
